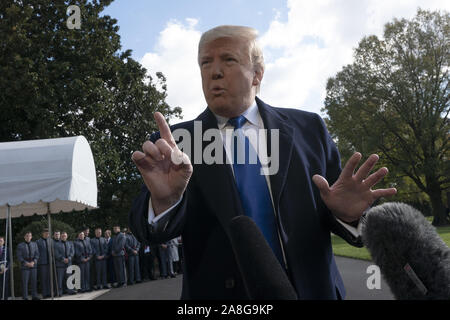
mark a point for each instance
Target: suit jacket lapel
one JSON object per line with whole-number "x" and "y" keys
{"x": 274, "y": 120}
{"x": 218, "y": 183}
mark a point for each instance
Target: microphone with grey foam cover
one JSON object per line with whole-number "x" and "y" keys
{"x": 413, "y": 258}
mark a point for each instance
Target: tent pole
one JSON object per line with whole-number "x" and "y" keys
{"x": 50, "y": 249}
{"x": 11, "y": 261}
{"x": 5, "y": 260}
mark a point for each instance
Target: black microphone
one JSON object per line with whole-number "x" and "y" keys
{"x": 412, "y": 257}
{"x": 263, "y": 276}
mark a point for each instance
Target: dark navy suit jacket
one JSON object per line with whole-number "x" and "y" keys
{"x": 211, "y": 200}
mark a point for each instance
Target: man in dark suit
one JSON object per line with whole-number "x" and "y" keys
{"x": 118, "y": 254}
{"x": 146, "y": 259}
{"x": 289, "y": 197}
{"x": 4, "y": 270}
{"x": 28, "y": 256}
{"x": 132, "y": 247}
{"x": 109, "y": 259}
{"x": 44, "y": 245}
{"x": 100, "y": 249}
{"x": 83, "y": 253}
{"x": 64, "y": 253}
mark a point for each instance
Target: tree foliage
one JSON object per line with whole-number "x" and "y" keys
{"x": 394, "y": 100}
{"x": 59, "y": 82}
{"x": 36, "y": 228}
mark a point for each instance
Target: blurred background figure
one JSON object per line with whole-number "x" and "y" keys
{"x": 4, "y": 270}
{"x": 44, "y": 245}
{"x": 28, "y": 255}
{"x": 118, "y": 254}
{"x": 83, "y": 253}
{"x": 132, "y": 248}
{"x": 64, "y": 252}
{"x": 109, "y": 259}
{"x": 100, "y": 250}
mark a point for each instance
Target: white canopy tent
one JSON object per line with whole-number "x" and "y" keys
{"x": 45, "y": 176}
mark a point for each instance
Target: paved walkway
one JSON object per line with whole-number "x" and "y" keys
{"x": 354, "y": 274}
{"x": 167, "y": 289}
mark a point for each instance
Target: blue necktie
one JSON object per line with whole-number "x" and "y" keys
{"x": 252, "y": 187}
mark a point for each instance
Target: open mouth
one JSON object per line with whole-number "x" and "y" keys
{"x": 217, "y": 90}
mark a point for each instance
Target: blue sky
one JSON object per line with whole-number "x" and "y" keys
{"x": 140, "y": 21}
{"x": 304, "y": 42}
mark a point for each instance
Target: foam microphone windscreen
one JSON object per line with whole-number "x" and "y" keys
{"x": 412, "y": 257}
{"x": 263, "y": 276}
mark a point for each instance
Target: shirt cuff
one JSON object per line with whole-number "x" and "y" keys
{"x": 356, "y": 232}
{"x": 151, "y": 213}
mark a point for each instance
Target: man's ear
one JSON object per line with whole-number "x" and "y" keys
{"x": 257, "y": 76}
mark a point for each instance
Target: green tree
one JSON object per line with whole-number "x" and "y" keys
{"x": 394, "y": 100}
{"x": 59, "y": 82}
{"x": 36, "y": 228}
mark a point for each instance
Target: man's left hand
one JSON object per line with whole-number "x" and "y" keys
{"x": 351, "y": 194}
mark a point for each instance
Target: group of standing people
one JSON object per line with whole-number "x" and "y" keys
{"x": 104, "y": 261}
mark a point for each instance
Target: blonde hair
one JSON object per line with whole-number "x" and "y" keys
{"x": 248, "y": 34}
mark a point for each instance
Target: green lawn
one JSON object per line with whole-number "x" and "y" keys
{"x": 342, "y": 248}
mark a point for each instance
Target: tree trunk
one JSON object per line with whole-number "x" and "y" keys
{"x": 439, "y": 215}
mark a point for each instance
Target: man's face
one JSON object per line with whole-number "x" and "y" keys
{"x": 2, "y": 242}
{"x": 108, "y": 233}
{"x": 86, "y": 232}
{"x": 45, "y": 234}
{"x": 81, "y": 236}
{"x": 98, "y": 233}
{"x": 229, "y": 79}
{"x": 116, "y": 229}
{"x": 57, "y": 235}
{"x": 28, "y": 237}
{"x": 64, "y": 236}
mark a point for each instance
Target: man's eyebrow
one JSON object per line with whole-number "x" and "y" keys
{"x": 205, "y": 57}
{"x": 228, "y": 54}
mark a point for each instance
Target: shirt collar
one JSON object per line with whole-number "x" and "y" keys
{"x": 251, "y": 114}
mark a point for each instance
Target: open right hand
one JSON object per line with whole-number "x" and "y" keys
{"x": 164, "y": 168}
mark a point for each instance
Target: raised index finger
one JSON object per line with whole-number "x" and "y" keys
{"x": 164, "y": 129}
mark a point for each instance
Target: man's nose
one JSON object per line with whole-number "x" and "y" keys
{"x": 217, "y": 71}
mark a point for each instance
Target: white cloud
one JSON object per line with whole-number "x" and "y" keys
{"x": 175, "y": 55}
{"x": 315, "y": 42}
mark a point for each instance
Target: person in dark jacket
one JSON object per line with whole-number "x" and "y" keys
{"x": 109, "y": 259}
{"x": 100, "y": 250}
{"x": 132, "y": 247}
{"x": 118, "y": 254}
{"x": 147, "y": 265}
{"x": 64, "y": 253}
{"x": 83, "y": 253}
{"x": 296, "y": 196}
{"x": 28, "y": 256}
{"x": 43, "y": 265}
{"x": 4, "y": 270}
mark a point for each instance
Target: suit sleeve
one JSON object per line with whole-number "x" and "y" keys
{"x": 76, "y": 251}
{"x": 58, "y": 253}
{"x": 333, "y": 170}
{"x": 36, "y": 255}
{"x": 72, "y": 252}
{"x": 128, "y": 244}
{"x": 138, "y": 245}
{"x": 166, "y": 228}
{"x": 19, "y": 254}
